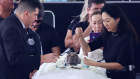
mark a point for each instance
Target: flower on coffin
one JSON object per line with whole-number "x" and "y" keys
{"x": 60, "y": 62}
{"x": 51, "y": 66}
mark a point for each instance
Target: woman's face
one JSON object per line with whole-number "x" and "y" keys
{"x": 110, "y": 23}
{"x": 96, "y": 23}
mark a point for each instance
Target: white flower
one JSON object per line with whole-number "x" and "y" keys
{"x": 61, "y": 61}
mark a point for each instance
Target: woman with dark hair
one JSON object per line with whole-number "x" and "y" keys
{"x": 118, "y": 39}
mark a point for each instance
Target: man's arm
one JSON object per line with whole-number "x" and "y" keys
{"x": 87, "y": 31}
{"x": 68, "y": 39}
{"x": 56, "y": 51}
{"x": 82, "y": 42}
{"x": 48, "y": 58}
{"x": 76, "y": 37}
{"x": 76, "y": 44}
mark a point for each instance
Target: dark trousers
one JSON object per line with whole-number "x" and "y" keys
{"x": 121, "y": 74}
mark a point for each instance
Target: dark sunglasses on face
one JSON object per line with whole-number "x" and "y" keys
{"x": 38, "y": 21}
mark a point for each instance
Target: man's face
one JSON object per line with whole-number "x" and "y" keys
{"x": 31, "y": 17}
{"x": 7, "y": 5}
{"x": 37, "y": 22}
{"x": 94, "y": 7}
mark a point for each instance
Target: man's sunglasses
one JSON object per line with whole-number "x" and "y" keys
{"x": 38, "y": 21}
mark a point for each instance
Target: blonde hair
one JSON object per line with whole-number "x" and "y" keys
{"x": 84, "y": 14}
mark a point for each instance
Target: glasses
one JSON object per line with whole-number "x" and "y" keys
{"x": 38, "y": 21}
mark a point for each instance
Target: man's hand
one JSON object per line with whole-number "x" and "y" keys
{"x": 32, "y": 73}
{"x": 77, "y": 47}
{"x": 48, "y": 58}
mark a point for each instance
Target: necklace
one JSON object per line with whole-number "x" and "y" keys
{"x": 114, "y": 34}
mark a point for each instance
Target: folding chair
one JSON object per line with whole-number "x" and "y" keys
{"x": 49, "y": 17}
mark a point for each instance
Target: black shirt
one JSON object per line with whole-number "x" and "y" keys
{"x": 74, "y": 21}
{"x": 1, "y": 19}
{"x": 48, "y": 37}
{"x": 83, "y": 24}
{"x": 117, "y": 48}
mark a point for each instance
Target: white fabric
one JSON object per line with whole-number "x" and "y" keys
{"x": 97, "y": 55}
{"x": 69, "y": 73}
{"x": 57, "y": 70}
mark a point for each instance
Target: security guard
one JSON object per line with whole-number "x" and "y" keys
{"x": 33, "y": 42}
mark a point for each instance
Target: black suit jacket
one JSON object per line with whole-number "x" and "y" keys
{"x": 15, "y": 62}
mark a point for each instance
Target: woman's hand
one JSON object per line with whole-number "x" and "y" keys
{"x": 90, "y": 62}
{"x": 79, "y": 31}
{"x": 85, "y": 53}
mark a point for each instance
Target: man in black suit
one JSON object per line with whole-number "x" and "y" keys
{"x": 15, "y": 61}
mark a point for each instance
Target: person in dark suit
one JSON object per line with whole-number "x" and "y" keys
{"x": 15, "y": 61}
{"x": 34, "y": 43}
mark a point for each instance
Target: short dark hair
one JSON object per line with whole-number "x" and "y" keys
{"x": 95, "y": 1}
{"x": 41, "y": 12}
{"x": 29, "y": 5}
{"x": 96, "y": 12}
